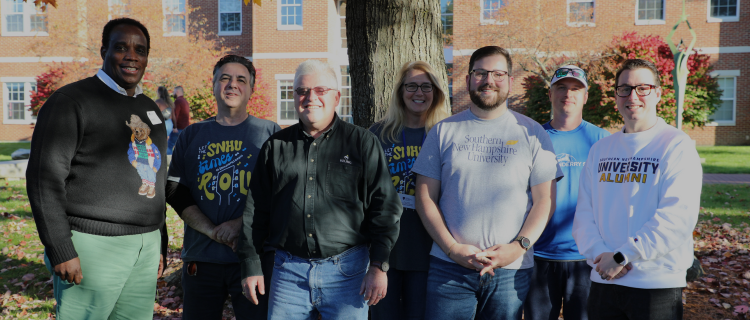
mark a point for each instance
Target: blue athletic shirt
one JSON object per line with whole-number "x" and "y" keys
{"x": 572, "y": 150}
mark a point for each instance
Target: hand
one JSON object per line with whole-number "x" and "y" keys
{"x": 175, "y": 130}
{"x": 135, "y": 164}
{"x": 624, "y": 271}
{"x": 606, "y": 266}
{"x": 228, "y": 231}
{"x": 70, "y": 271}
{"x": 374, "y": 285}
{"x": 498, "y": 256}
{"x": 155, "y": 169}
{"x": 464, "y": 255}
{"x": 162, "y": 265}
{"x": 248, "y": 288}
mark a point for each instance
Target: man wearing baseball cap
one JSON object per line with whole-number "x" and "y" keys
{"x": 561, "y": 275}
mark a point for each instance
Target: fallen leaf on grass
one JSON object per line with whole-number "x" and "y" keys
{"x": 741, "y": 309}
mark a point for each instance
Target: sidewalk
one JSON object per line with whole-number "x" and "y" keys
{"x": 714, "y": 178}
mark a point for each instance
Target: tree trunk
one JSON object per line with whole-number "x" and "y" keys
{"x": 382, "y": 35}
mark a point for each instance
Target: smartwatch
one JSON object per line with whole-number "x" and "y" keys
{"x": 524, "y": 242}
{"x": 619, "y": 258}
{"x": 383, "y": 266}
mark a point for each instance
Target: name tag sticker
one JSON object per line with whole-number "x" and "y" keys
{"x": 153, "y": 117}
{"x": 407, "y": 201}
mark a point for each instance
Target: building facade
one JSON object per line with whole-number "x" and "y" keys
{"x": 280, "y": 34}
{"x": 722, "y": 28}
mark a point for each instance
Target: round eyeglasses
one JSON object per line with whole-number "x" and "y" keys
{"x": 642, "y": 90}
{"x": 412, "y": 87}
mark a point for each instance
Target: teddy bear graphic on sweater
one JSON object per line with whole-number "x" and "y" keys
{"x": 143, "y": 155}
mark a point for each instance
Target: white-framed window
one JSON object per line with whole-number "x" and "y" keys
{"x": 344, "y": 110}
{"x": 289, "y": 15}
{"x": 490, "y": 11}
{"x": 342, "y": 17}
{"x": 723, "y": 11}
{"x": 649, "y": 12}
{"x": 23, "y": 18}
{"x": 230, "y": 17}
{"x": 286, "y": 113}
{"x": 581, "y": 13}
{"x": 118, "y": 8}
{"x": 175, "y": 17}
{"x": 17, "y": 99}
{"x": 726, "y": 114}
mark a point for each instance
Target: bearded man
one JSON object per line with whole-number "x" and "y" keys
{"x": 485, "y": 192}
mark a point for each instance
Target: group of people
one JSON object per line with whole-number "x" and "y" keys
{"x": 176, "y": 113}
{"x": 484, "y": 214}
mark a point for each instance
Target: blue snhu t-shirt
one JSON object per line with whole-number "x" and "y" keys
{"x": 571, "y": 150}
{"x": 216, "y": 163}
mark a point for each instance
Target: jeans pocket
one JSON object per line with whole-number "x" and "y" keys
{"x": 352, "y": 267}
{"x": 280, "y": 259}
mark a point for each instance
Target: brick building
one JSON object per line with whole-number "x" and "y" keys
{"x": 723, "y": 32}
{"x": 280, "y": 34}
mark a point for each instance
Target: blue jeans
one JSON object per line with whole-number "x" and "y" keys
{"x": 172, "y": 141}
{"x": 305, "y": 288}
{"x": 556, "y": 285}
{"x": 455, "y": 292}
{"x": 405, "y": 298}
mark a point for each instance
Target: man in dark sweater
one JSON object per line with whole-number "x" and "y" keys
{"x": 208, "y": 182}
{"x": 96, "y": 185}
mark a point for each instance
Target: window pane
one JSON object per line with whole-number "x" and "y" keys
{"x": 39, "y": 23}
{"x": 650, "y": 10}
{"x": 16, "y": 111}
{"x": 230, "y": 22}
{"x": 15, "y": 22}
{"x": 176, "y": 23}
{"x": 230, "y": 5}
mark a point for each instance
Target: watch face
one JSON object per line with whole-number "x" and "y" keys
{"x": 385, "y": 267}
{"x": 526, "y": 243}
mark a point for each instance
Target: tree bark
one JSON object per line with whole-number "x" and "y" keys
{"x": 382, "y": 35}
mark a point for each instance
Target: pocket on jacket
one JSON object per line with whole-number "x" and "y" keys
{"x": 342, "y": 180}
{"x": 352, "y": 267}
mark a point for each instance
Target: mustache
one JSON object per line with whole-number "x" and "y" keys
{"x": 487, "y": 86}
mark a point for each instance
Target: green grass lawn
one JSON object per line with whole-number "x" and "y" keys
{"x": 6, "y": 148}
{"x": 725, "y": 159}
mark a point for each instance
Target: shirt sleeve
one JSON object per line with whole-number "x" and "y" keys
{"x": 257, "y": 215}
{"x": 544, "y": 163}
{"x": 177, "y": 191}
{"x": 57, "y": 136}
{"x": 382, "y": 206}
{"x": 430, "y": 161}
{"x": 585, "y": 231}
{"x": 677, "y": 212}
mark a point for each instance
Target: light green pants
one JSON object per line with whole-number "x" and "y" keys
{"x": 119, "y": 278}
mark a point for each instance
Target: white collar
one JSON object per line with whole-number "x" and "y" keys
{"x": 104, "y": 77}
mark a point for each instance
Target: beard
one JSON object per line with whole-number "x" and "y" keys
{"x": 488, "y": 103}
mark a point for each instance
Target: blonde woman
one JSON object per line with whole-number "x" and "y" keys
{"x": 419, "y": 101}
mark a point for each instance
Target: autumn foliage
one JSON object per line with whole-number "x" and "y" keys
{"x": 702, "y": 95}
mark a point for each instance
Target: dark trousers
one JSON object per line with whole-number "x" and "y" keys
{"x": 613, "y": 302}
{"x": 555, "y": 285}
{"x": 206, "y": 290}
{"x": 406, "y": 296}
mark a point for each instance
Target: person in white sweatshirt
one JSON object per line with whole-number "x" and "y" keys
{"x": 638, "y": 202}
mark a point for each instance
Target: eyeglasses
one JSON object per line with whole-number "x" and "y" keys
{"x": 481, "y": 74}
{"x": 321, "y": 91}
{"x": 412, "y": 87}
{"x": 575, "y": 72}
{"x": 642, "y": 90}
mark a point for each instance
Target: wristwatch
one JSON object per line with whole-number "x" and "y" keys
{"x": 383, "y": 266}
{"x": 619, "y": 258}
{"x": 524, "y": 242}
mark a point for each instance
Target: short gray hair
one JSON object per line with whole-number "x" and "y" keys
{"x": 318, "y": 67}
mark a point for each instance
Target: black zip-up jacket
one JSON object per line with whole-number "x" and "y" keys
{"x": 316, "y": 198}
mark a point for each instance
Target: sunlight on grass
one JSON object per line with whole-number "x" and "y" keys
{"x": 725, "y": 159}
